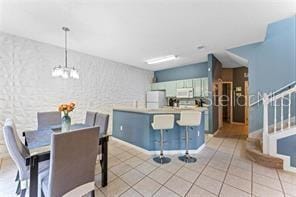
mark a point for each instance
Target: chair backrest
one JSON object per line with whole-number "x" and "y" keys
{"x": 90, "y": 118}
{"x": 102, "y": 121}
{"x": 47, "y": 119}
{"x": 190, "y": 118}
{"x": 163, "y": 121}
{"x": 17, "y": 150}
{"x": 72, "y": 160}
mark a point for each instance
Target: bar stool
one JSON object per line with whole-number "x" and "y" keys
{"x": 188, "y": 119}
{"x": 161, "y": 122}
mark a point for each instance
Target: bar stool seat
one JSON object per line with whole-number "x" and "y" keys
{"x": 162, "y": 122}
{"x": 188, "y": 119}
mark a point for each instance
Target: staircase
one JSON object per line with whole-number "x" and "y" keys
{"x": 254, "y": 153}
{"x": 264, "y": 149}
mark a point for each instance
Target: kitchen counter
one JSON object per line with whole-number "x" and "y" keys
{"x": 133, "y": 126}
{"x": 164, "y": 110}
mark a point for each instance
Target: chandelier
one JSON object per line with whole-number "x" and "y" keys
{"x": 65, "y": 72}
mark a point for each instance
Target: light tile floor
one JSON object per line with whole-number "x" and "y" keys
{"x": 222, "y": 169}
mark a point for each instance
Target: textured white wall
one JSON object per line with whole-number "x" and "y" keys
{"x": 26, "y": 85}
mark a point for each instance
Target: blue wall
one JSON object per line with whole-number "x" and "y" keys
{"x": 271, "y": 64}
{"x": 287, "y": 146}
{"x": 184, "y": 72}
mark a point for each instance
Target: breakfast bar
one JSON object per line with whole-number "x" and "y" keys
{"x": 133, "y": 126}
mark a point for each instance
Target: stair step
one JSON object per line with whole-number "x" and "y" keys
{"x": 254, "y": 152}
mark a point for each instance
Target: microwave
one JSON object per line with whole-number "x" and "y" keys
{"x": 184, "y": 93}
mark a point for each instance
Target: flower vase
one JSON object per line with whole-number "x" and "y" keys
{"x": 66, "y": 123}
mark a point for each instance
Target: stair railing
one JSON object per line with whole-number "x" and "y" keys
{"x": 276, "y": 101}
{"x": 280, "y": 90}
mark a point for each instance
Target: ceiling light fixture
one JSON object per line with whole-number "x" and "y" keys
{"x": 161, "y": 59}
{"x": 64, "y": 71}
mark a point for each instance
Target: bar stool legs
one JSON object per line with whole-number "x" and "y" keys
{"x": 161, "y": 159}
{"x": 187, "y": 158}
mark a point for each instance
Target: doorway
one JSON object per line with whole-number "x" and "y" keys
{"x": 233, "y": 103}
{"x": 226, "y": 102}
{"x": 246, "y": 102}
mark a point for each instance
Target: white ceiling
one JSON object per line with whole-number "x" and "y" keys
{"x": 131, "y": 31}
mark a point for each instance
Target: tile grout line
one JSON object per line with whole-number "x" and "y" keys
{"x": 174, "y": 174}
{"x": 223, "y": 182}
{"x": 252, "y": 178}
{"x": 281, "y": 183}
{"x": 100, "y": 190}
{"x": 245, "y": 180}
{"x": 122, "y": 175}
{"x": 131, "y": 187}
{"x": 163, "y": 185}
{"x": 268, "y": 187}
{"x": 205, "y": 167}
{"x": 157, "y": 167}
{"x": 132, "y": 168}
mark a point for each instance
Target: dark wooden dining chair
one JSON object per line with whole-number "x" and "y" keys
{"x": 72, "y": 166}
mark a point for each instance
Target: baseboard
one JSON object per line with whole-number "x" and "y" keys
{"x": 167, "y": 152}
{"x": 286, "y": 162}
{"x": 216, "y": 132}
{"x": 255, "y": 134}
{"x": 238, "y": 123}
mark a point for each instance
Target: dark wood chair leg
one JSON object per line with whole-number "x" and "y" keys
{"x": 17, "y": 176}
{"x": 104, "y": 167}
{"x": 92, "y": 193}
{"x": 18, "y": 189}
{"x": 23, "y": 192}
{"x": 34, "y": 162}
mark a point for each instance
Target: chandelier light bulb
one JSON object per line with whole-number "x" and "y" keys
{"x": 74, "y": 74}
{"x": 64, "y": 71}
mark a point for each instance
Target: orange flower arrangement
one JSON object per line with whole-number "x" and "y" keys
{"x": 66, "y": 108}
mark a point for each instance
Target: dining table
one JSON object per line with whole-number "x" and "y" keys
{"x": 38, "y": 143}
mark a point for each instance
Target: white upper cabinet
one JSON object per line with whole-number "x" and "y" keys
{"x": 205, "y": 87}
{"x": 199, "y": 85}
{"x": 180, "y": 84}
{"x": 188, "y": 83}
{"x": 184, "y": 83}
{"x": 170, "y": 89}
{"x": 154, "y": 86}
{"x": 158, "y": 86}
